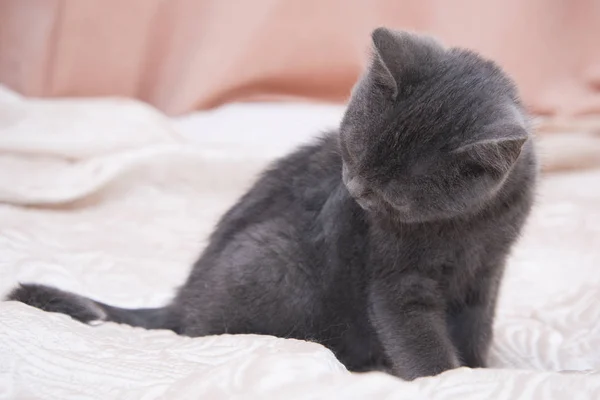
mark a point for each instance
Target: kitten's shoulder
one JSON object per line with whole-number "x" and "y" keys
{"x": 315, "y": 159}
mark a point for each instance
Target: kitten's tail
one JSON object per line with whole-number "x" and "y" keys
{"x": 87, "y": 310}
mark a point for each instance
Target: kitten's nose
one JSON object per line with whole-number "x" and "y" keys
{"x": 365, "y": 203}
{"x": 356, "y": 188}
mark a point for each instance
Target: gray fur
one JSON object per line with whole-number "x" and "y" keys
{"x": 384, "y": 241}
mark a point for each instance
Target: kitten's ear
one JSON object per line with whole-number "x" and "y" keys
{"x": 401, "y": 56}
{"x": 500, "y": 148}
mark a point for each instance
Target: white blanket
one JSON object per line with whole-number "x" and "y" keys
{"x": 110, "y": 199}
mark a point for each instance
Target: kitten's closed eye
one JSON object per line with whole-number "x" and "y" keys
{"x": 472, "y": 170}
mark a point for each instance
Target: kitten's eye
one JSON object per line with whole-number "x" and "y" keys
{"x": 472, "y": 170}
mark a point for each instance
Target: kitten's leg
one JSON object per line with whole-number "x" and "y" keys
{"x": 471, "y": 330}
{"x": 471, "y": 323}
{"x": 410, "y": 322}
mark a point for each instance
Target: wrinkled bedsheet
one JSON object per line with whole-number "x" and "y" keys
{"x": 110, "y": 199}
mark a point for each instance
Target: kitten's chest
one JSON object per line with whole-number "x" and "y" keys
{"x": 452, "y": 258}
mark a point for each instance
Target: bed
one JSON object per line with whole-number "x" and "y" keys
{"x": 111, "y": 199}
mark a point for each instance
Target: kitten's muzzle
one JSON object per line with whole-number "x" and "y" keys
{"x": 355, "y": 188}
{"x": 361, "y": 193}
{"x": 365, "y": 204}
{"x": 358, "y": 190}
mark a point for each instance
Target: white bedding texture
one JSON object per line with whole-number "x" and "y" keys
{"x": 110, "y": 199}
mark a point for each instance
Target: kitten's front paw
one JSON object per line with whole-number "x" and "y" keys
{"x": 474, "y": 362}
{"x": 433, "y": 366}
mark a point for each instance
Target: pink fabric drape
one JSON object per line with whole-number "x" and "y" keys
{"x": 181, "y": 55}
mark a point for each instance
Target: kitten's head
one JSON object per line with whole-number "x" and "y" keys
{"x": 429, "y": 133}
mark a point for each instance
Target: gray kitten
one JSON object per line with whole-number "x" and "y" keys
{"x": 385, "y": 241}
